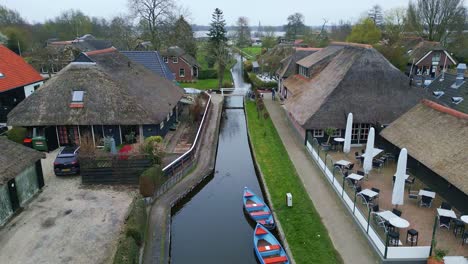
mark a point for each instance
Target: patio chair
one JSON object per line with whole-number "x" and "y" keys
{"x": 377, "y": 164}
{"x": 446, "y": 206}
{"x": 389, "y": 156}
{"x": 397, "y": 212}
{"x": 350, "y": 166}
{"x": 360, "y": 173}
{"x": 426, "y": 201}
{"x": 413, "y": 195}
{"x": 351, "y": 182}
{"x": 358, "y": 189}
{"x": 444, "y": 221}
{"x": 358, "y": 157}
{"x": 394, "y": 238}
{"x": 375, "y": 190}
{"x": 410, "y": 181}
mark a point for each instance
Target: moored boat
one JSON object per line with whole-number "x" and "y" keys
{"x": 267, "y": 247}
{"x": 257, "y": 209}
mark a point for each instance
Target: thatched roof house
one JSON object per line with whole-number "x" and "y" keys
{"x": 437, "y": 137}
{"x": 344, "y": 78}
{"x": 101, "y": 88}
{"x": 116, "y": 91}
{"x": 15, "y": 158}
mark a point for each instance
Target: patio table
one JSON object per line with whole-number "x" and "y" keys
{"x": 399, "y": 222}
{"x": 369, "y": 193}
{"x": 355, "y": 177}
{"x": 344, "y": 163}
{"x": 427, "y": 193}
{"x": 464, "y": 218}
{"x": 375, "y": 152}
{"x": 339, "y": 141}
{"x": 446, "y": 213}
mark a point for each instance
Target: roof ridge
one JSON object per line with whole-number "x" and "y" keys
{"x": 102, "y": 51}
{"x": 444, "y": 109}
{"x": 352, "y": 44}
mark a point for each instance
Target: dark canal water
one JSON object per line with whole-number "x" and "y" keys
{"x": 210, "y": 227}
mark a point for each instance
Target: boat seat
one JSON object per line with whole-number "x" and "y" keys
{"x": 274, "y": 260}
{"x": 260, "y": 231}
{"x": 248, "y": 194}
{"x": 259, "y": 213}
{"x": 269, "y": 248}
{"x": 254, "y": 205}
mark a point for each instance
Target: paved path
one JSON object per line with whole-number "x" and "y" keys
{"x": 157, "y": 246}
{"x": 344, "y": 232}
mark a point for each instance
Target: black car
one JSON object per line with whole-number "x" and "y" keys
{"x": 66, "y": 162}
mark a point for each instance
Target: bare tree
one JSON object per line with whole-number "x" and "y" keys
{"x": 122, "y": 33}
{"x": 341, "y": 31}
{"x": 437, "y": 19}
{"x": 394, "y": 24}
{"x": 376, "y": 14}
{"x": 153, "y": 14}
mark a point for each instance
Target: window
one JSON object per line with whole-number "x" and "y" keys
{"x": 165, "y": 59}
{"x": 175, "y": 59}
{"x": 77, "y": 96}
{"x": 304, "y": 71}
{"x": 317, "y": 133}
{"x": 337, "y": 133}
{"x": 161, "y": 126}
{"x": 436, "y": 58}
{"x": 181, "y": 72}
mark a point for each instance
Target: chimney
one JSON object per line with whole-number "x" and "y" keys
{"x": 461, "y": 68}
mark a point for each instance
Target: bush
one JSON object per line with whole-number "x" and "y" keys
{"x": 248, "y": 66}
{"x": 17, "y": 134}
{"x": 128, "y": 251}
{"x": 149, "y": 180}
{"x": 207, "y": 74}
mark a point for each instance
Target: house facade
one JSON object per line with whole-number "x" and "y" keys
{"x": 183, "y": 66}
{"x": 21, "y": 177}
{"x": 346, "y": 78}
{"x": 101, "y": 94}
{"x": 18, "y": 80}
{"x": 427, "y": 59}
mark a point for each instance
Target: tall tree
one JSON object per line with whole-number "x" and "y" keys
{"x": 295, "y": 26}
{"x": 437, "y": 19}
{"x": 10, "y": 17}
{"x": 394, "y": 24}
{"x": 243, "y": 32}
{"x": 122, "y": 33}
{"x": 153, "y": 14}
{"x": 218, "y": 43}
{"x": 365, "y": 32}
{"x": 182, "y": 35}
{"x": 376, "y": 15}
{"x": 69, "y": 25}
{"x": 340, "y": 31}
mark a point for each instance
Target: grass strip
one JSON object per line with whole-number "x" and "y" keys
{"x": 306, "y": 235}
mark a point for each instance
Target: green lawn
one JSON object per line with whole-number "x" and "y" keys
{"x": 253, "y": 51}
{"x": 207, "y": 84}
{"x": 305, "y": 233}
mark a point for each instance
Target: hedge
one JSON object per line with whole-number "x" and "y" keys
{"x": 128, "y": 250}
{"x": 17, "y": 134}
{"x": 207, "y": 74}
{"x": 258, "y": 84}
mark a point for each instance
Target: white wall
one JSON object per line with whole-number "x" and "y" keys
{"x": 29, "y": 89}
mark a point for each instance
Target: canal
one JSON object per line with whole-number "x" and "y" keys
{"x": 210, "y": 226}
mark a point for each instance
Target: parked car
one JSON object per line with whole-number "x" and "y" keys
{"x": 66, "y": 162}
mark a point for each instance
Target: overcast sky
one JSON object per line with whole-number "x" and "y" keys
{"x": 269, "y": 12}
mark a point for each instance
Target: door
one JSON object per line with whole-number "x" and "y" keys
{"x": 50, "y": 134}
{"x": 15, "y": 203}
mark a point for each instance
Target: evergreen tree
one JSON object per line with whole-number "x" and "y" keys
{"x": 182, "y": 36}
{"x": 218, "y": 43}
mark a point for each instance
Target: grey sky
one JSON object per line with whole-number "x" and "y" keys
{"x": 269, "y": 12}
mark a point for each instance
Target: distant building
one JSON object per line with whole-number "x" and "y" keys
{"x": 102, "y": 94}
{"x": 346, "y": 78}
{"x": 183, "y": 65}
{"x": 18, "y": 80}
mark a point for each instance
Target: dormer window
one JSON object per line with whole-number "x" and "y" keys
{"x": 438, "y": 94}
{"x": 175, "y": 59}
{"x": 77, "y": 99}
{"x": 457, "y": 99}
{"x": 304, "y": 71}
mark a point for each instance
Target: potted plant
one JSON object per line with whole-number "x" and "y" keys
{"x": 329, "y": 132}
{"x": 438, "y": 257}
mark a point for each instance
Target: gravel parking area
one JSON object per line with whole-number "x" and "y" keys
{"x": 66, "y": 222}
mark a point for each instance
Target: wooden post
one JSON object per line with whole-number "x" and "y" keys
{"x": 92, "y": 133}
{"x": 79, "y": 134}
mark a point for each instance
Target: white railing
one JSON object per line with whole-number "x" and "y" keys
{"x": 387, "y": 252}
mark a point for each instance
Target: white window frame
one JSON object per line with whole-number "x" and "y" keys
{"x": 76, "y": 95}
{"x": 183, "y": 74}
{"x": 161, "y": 125}
{"x": 317, "y": 133}
{"x": 165, "y": 59}
{"x": 175, "y": 59}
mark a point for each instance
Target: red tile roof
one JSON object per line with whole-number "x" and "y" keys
{"x": 16, "y": 71}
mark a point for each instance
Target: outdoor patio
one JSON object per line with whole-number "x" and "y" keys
{"x": 421, "y": 219}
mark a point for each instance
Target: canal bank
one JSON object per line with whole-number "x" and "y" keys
{"x": 157, "y": 245}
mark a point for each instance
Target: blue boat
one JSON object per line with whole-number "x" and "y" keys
{"x": 267, "y": 247}
{"x": 257, "y": 209}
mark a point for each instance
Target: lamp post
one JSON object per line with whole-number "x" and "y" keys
{"x": 433, "y": 235}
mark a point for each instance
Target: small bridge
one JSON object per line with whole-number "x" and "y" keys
{"x": 233, "y": 91}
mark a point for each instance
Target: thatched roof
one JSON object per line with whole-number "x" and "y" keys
{"x": 15, "y": 158}
{"x": 288, "y": 64}
{"x": 437, "y": 137}
{"x": 418, "y": 51}
{"x": 117, "y": 91}
{"x": 348, "y": 78}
